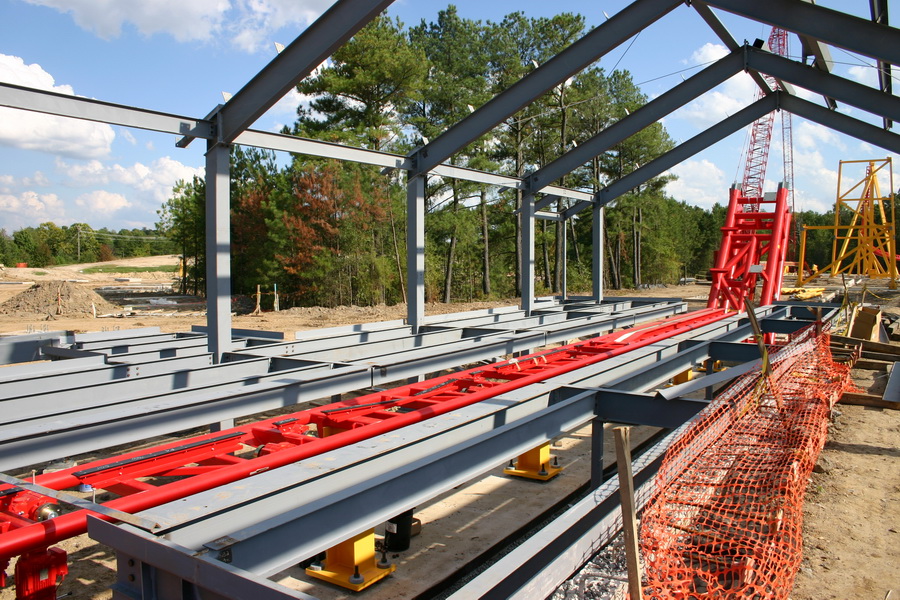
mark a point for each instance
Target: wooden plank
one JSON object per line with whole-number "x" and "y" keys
{"x": 872, "y": 365}
{"x": 868, "y": 400}
{"x": 867, "y": 344}
{"x": 629, "y": 515}
{"x": 880, "y": 356}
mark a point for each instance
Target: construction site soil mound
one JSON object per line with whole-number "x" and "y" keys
{"x": 57, "y": 298}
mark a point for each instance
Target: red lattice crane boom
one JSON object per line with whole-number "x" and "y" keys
{"x": 761, "y": 133}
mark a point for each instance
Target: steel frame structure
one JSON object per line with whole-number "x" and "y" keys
{"x": 255, "y": 530}
{"x": 136, "y": 394}
{"x": 867, "y": 243}
{"x": 228, "y": 124}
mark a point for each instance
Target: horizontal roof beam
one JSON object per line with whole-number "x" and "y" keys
{"x": 690, "y": 147}
{"x": 840, "y": 122}
{"x": 310, "y": 49}
{"x": 849, "y": 92}
{"x": 820, "y": 23}
{"x": 650, "y": 113}
{"x": 629, "y": 21}
{"x": 719, "y": 29}
{"x": 298, "y": 145}
{"x": 64, "y": 105}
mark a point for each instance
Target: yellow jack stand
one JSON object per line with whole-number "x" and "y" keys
{"x": 683, "y": 377}
{"x": 352, "y": 563}
{"x": 535, "y": 464}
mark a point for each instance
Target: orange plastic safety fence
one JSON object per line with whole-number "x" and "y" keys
{"x": 725, "y": 520}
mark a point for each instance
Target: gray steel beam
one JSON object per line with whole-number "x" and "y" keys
{"x": 618, "y": 406}
{"x": 52, "y": 103}
{"x": 64, "y": 105}
{"x": 415, "y": 252}
{"x": 218, "y": 248}
{"x": 650, "y": 113}
{"x": 548, "y": 216}
{"x": 688, "y": 148}
{"x": 546, "y": 201}
{"x": 849, "y": 92}
{"x": 629, "y": 21}
{"x": 725, "y": 36}
{"x": 50, "y": 437}
{"x": 820, "y": 23}
{"x": 527, "y": 226}
{"x": 149, "y": 568}
{"x": 349, "y": 490}
{"x": 879, "y": 12}
{"x": 310, "y": 49}
{"x": 842, "y": 123}
{"x": 299, "y": 510}
{"x": 139, "y": 410}
{"x": 597, "y": 251}
{"x": 298, "y": 145}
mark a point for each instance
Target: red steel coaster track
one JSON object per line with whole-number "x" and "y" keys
{"x": 30, "y": 521}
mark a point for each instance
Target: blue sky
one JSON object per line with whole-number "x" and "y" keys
{"x": 179, "y": 56}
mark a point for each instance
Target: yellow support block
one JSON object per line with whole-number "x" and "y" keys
{"x": 684, "y": 376}
{"x": 535, "y": 464}
{"x": 352, "y": 564}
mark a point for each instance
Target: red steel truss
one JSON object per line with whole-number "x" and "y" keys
{"x": 754, "y": 246}
{"x": 30, "y": 521}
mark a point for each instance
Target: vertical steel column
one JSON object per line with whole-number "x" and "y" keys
{"x": 596, "y": 453}
{"x": 526, "y": 217}
{"x": 218, "y": 249}
{"x": 563, "y": 284}
{"x": 415, "y": 252}
{"x": 597, "y": 251}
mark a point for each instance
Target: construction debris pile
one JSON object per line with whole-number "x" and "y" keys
{"x": 726, "y": 520}
{"x": 53, "y": 298}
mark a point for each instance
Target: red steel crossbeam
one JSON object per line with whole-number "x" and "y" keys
{"x": 754, "y": 247}
{"x": 214, "y": 459}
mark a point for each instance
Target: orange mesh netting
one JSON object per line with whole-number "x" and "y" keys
{"x": 725, "y": 520}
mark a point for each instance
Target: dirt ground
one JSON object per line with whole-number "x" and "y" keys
{"x": 852, "y": 512}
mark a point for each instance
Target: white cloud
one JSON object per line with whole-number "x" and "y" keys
{"x": 249, "y": 24}
{"x": 700, "y": 182}
{"x": 257, "y": 20}
{"x": 46, "y": 133}
{"x": 723, "y": 101}
{"x": 8, "y": 182}
{"x": 184, "y": 21}
{"x": 102, "y": 202}
{"x": 808, "y": 135}
{"x": 865, "y": 75}
{"x": 708, "y": 53}
{"x": 815, "y": 183}
{"x": 129, "y": 137}
{"x": 29, "y": 208}
{"x": 152, "y": 183}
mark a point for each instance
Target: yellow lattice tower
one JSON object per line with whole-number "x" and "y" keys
{"x": 866, "y": 245}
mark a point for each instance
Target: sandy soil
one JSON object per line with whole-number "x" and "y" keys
{"x": 852, "y": 522}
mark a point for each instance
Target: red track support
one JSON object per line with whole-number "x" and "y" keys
{"x": 215, "y": 459}
{"x": 753, "y": 249}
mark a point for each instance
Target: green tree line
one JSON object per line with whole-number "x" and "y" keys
{"x": 49, "y": 244}
{"x": 330, "y": 233}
